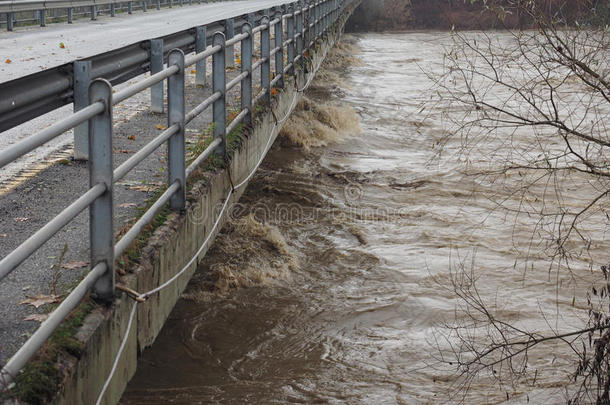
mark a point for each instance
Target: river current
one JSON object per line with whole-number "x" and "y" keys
{"x": 335, "y": 280}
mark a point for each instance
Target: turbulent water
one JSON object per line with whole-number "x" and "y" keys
{"x": 334, "y": 281}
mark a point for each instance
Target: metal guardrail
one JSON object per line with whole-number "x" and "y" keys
{"x": 39, "y": 93}
{"x": 305, "y": 23}
{"x": 41, "y": 9}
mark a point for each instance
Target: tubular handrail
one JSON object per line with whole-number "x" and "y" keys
{"x": 29, "y": 144}
{"x": 145, "y": 219}
{"x": 238, "y": 79}
{"x": 210, "y": 51}
{"x": 203, "y": 157}
{"x": 98, "y": 114}
{"x": 21, "y": 253}
{"x": 143, "y": 85}
{"x": 31, "y": 346}
{"x": 202, "y": 107}
{"x": 143, "y": 153}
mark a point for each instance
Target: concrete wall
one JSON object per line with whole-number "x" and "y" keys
{"x": 168, "y": 250}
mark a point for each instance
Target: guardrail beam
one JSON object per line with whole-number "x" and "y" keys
{"x": 100, "y": 171}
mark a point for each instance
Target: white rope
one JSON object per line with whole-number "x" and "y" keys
{"x": 118, "y": 355}
{"x": 205, "y": 242}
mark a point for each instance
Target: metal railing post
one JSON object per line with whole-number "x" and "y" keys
{"x": 219, "y": 108}
{"x": 156, "y": 65}
{"x": 230, "y": 33}
{"x": 266, "y": 56}
{"x": 247, "y": 44}
{"x": 308, "y": 29}
{"x": 130, "y": 7}
{"x": 158, "y": 4}
{"x": 175, "y": 115}
{"x": 112, "y": 10}
{"x": 70, "y": 15}
{"x": 200, "y": 45}
{"x": 93, "y": 13}
{"x": 82, "y": 80}
{"x": 252, "y": 20}
{"x": 100, "y": 171}
{"x": 9, "y": 21}
{"x": 326, "y": 15}
{"x": 299, "y": 29}
{"x": 291, "y": 36}
{"x": 144, "y": 6}
{"x": 279, "y": 43}
{"x": 42, "y": 14}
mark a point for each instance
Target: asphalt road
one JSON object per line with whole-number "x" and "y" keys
{"x": 34, "y": 49}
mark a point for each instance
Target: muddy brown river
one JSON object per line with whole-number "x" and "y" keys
{"x": 333, "y": 281}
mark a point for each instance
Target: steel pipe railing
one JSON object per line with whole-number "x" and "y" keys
{"x": 98, "y": 114}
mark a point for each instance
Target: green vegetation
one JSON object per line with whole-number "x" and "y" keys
{"x": 37, "y": 383}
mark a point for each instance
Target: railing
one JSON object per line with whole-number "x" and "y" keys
{"x": 304, "y": 24}
{"x": 37, "y": 11}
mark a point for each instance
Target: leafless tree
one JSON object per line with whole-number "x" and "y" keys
{"x": 536, "y": 105}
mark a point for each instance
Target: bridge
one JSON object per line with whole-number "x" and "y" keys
{"x": 232, "y": 72}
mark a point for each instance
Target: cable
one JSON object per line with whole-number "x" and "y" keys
{"x": 118, "y": 355}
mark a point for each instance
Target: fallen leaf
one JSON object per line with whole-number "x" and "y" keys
{"x": 40, "y": 300}
{"x": 74, "y": 265}
{"x": 36, "y": 317}
{"x": 132, "y": 138}
{"x": 62, "y": 46}
{"x": 146, "y": 188}
{"x": 161, "y": 127}
{"x": 123, "y": 151}
{"x": 3, "y": 235}
{"x": 8, "y": 61}
{"x": 22, "y": 219}
{"x": 274, "y": 91}
{"x": 193, "y": 71}
{"x": 128, "y": 205}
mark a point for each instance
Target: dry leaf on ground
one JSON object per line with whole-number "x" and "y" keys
{"x": 74, "y": 265}
{"x": 40, "y": 300}
{"x": 36, "y": 317}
